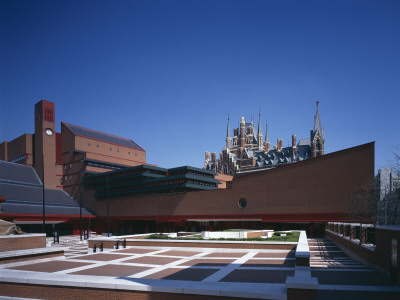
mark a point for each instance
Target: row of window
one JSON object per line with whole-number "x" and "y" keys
{"x": 97, "y": 146}
{"x": 17, "y": 159}
{"x": 103, "y": 166}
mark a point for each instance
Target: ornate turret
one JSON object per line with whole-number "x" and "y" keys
{"x": 317, "y": 136}
{"x": 259, "y": 134}
{"x": 267, "y": 144}
{"x": 228, "y": 139}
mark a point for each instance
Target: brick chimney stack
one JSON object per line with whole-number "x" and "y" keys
{"x": 207, "y": 156}
{"x": 294, "y": 147}
{"x": 242, "y": 133}
{"x": 267, "y": 146}
{"x": 279, "y": 144}
{"x": 214, "y": 157}
{"x": 235, "y": 136}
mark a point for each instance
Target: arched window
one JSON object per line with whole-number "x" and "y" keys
{"x": 318, "y": 147}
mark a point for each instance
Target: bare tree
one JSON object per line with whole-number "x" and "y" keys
{"x": 364, "y": 204}
{"x": 392, "y": 198}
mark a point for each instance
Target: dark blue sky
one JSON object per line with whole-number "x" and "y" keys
{"x": 167, "y": 73}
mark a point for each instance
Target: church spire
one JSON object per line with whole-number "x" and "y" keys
{"x": 259, "y": 123}
{"x": 317, "y": 123}
{"x": 228, "y": 139}
{"x": 317, "y": 136}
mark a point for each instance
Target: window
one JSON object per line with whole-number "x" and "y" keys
{"x": 129, "y": 153}
{"x": 110, "y": 149}
{"x": 117, "y": 150}
{"x": 70, "y": 176}
{"x": 88, "y": 144}
{"x": 97, "y": 146}
{"x": 70, "y": 166}
{"x": 65, "y": 167}
{"x": 66, "y": 177}
{"x": 242, "y": 203}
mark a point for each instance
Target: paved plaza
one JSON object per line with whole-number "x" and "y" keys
{"x": 253, "y": 272}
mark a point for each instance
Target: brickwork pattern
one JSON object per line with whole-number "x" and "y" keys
{"x": 22, "y": 242}
{"x": 30, "y": 257}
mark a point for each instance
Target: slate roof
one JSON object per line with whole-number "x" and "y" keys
{"x": 17, "y": 172}
{"x": 22, "y": 189}
{"x": 97, "y": 135}
{"x": 271, "y": 159}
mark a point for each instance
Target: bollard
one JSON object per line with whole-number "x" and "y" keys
{"x": 101, "y": 247}
{"x": 124, "y": 244}
{"x": 117, "y": 245}
{"x": 94, "y": 248}
{"x": 56, "y": 237}
{"x": 86, "y": 234}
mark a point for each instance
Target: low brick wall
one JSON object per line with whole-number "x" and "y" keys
{"x": 62, "y": 293}
{"x": 19, "y": 258}
{"x": 382, "y": 254}
{"x": 21, "y": 242}
{"x": 196, "y": 244}
{"x": 356, "y": 248}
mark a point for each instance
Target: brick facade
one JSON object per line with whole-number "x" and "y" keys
{"x": 21, "y": 242}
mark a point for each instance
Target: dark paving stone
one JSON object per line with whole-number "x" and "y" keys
{"x": 353, "y": 295}
{"x": 351, "y": 278}
{"x": 152, "y": 260}
{"x": 225, "y": 254}
{"x": 112, "y": 270}
{"x": 183, "y": 274}
{"x": 208, "y": 262}
{"x": 318, "y": 248}
{"x": 275, "y": 255}
{"x": 179, "y": 253}
{"x": 257, "y": 276}
{"x": 101, "y": 257}
{"x": 137, "y": 251}
{"x": 51, "y": 266}
{"x": 324, "y": 254}
{"x": 269, "y": 263}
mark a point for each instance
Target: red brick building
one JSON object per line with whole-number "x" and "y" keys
{"x": 247, "y": 152}
{"x": 109, "y": 174}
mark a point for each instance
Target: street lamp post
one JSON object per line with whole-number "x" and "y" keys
{"x": 44, "y": 198}
{"x": 80, "y": 205}
{"x": 108, "y": 209}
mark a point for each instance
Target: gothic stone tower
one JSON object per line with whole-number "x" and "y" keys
{"x": 248, "y": 153}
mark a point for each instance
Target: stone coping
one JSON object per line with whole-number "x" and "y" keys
{"x": 227, "y": 289}
{"x": 302, "y": 250}
{"x": 111, "y": 239}
{"x": 25, "y": 252}
{"x": 14, "y": 236}
{"x": 388, "y": 227}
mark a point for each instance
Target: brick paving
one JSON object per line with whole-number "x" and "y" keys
{"x": 338, "y": 275}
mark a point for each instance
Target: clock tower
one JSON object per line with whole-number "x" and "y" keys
{"x": 45, "y": 143}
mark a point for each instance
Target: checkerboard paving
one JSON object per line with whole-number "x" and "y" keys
{"x": 172, "y": 264}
